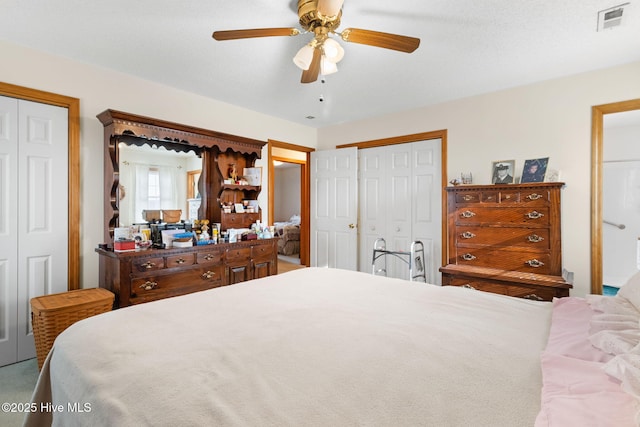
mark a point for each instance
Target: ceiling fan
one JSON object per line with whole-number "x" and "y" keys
{"x": 320, "y": 56}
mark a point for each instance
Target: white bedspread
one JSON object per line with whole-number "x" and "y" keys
{"x": 312, "y": 347}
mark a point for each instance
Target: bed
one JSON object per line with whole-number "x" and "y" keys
{"x": 289, "y": 234}
{"x": 329, "y": 347}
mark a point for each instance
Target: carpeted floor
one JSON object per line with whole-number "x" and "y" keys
{"x": 17, "y": 382}
{"x": 609, "y": 290}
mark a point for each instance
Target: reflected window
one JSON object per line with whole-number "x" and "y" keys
{"x": 153, "y": 199}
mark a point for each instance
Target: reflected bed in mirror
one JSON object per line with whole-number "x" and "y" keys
{"x": 154, "y": 178}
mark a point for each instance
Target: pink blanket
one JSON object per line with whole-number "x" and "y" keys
{"x": 576, "y": 390}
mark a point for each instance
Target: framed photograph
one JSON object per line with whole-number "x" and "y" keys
{"x": 503, "y": 172}
{"x": 534, "y": 170}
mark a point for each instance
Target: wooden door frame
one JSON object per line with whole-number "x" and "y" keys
{"x": 597, "y": 140}
{"x": 73, "y": 110}
{"x": 404, "y": 139}
{"x": 305, "y": 189}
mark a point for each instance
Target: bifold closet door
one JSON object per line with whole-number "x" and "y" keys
{"x": 33, "y": 216}
{"x": 400, "y": 201}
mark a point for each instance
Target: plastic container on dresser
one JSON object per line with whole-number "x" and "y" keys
{"x": 506, "y": 239}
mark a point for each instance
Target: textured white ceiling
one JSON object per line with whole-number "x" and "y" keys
{"x": 468, "y": 47}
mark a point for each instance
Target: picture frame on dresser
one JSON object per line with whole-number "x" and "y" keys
{"x": 534, "y": 170}
{"x": 503, "y": 171}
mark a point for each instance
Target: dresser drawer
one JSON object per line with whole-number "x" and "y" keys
{"x": 535, "y": 197}
{"x": 480, "y": 285}
{"x": 151, "y": 288}
{"x": 147, "y": 264}
{"x": 238, "y": 255}
{"x": 505, "y": 259}
{"x": 537, "y": 239}
{"x": 536, "y": 294}
{"x": 498, "y": 215}
{"x": 209, "y": 257}
{"x": 502, "y": 288}
{"x": 261, "y": 253}
{"x": 239, "y": 220}
{"x": 181, "y": 260}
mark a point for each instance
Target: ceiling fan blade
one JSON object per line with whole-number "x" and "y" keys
{"x": 379, "y": 39}
{"x": 311, "y": 75}
{"x": 256, "y": 32}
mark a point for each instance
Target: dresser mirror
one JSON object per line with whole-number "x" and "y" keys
{"x": 154, "y": 177}
{"x": 206, "y": 151}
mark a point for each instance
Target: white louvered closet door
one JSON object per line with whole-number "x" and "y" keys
{"x": 33, "y": 216}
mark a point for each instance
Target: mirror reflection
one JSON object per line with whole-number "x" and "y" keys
{"x": 154, "y": 178}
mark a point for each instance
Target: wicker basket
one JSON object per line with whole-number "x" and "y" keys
{"x": 151, "y": 215}
{"x": 52, "y": 314}
{"x": 171, "y": 216}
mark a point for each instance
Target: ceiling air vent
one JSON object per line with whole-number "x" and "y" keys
{"x": 612, "y": 17}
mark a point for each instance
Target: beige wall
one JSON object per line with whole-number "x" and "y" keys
{"x": 99, "y": 89}
{"x": 551, "y": 118}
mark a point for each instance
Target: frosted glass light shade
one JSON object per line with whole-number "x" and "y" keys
{"x": 304, "y": 57}
{"x": 329, "y": 7}
{"x": 327, "y": 67}
{"x": 332, "y": 50}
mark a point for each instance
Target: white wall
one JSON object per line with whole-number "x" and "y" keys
{"x": 99, "y": 89}
{"x": 286, "y": 197}
{"x": 551, "y": 118}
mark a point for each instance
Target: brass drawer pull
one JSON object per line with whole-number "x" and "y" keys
{"x": 467, "y": 214}
{"x": 468, "y": 257}
{"x": 208, "y": 275}
{"x": 534, "y": 215}
{"x": 467, "y": 235}
{"x": 468, "y": 286}
{"x": 180, "y": 261}
{"x": 148, "y": 265}
{"x": 533, "y": 297}
{"x": 534, "y": 196}
{"x": 148, "y": 285}
{"x": 467, "y": 198}
{"x": 534, "y": 238}
{"x": 208, "y": 257}
{"x": 534, "y": 263}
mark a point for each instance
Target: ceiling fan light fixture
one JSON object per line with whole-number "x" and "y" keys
{"x": 304, "y": 57}
{"x": 327, "y": 67}
{"x": 329, "y": 8}
{"x": 332, "y": 50}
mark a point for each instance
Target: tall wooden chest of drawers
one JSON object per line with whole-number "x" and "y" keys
{"x": 506, "y": 239}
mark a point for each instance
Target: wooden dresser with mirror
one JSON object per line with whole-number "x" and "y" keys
{"x": 151, "y": 274}
{"x": 506, "y": 239}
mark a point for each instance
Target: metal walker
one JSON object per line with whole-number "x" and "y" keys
{"x": 413, "y": 258}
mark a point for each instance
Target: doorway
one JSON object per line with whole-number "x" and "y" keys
{"x": 597, "y": 166}
{"x": 300, "y": 156}
{"x": 286, "y": 208}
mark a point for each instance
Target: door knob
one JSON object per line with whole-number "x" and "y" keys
{"x": 352, "y": 226}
